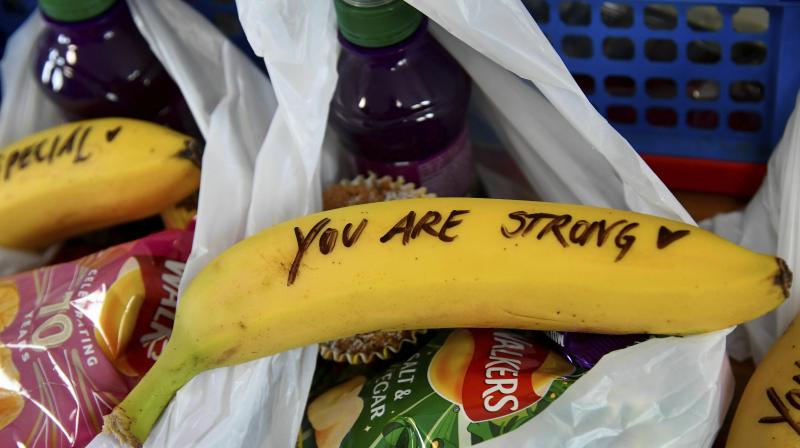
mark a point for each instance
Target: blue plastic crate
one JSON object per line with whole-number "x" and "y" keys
{"x": 714, "y": 80}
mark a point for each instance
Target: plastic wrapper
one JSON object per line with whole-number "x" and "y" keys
{"x": 77, "y": 336}
{"x": 463, "y": 388}
{"x": 586, "y": 349}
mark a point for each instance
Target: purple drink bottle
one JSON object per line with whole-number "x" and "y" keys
{"x": 93, "y": 62}
{"x": 401, "y": 100}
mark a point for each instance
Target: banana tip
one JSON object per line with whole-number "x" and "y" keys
{"x": 118, "y": 424}
{"x": 784, "y": 277}
{"x": 191, "y": 151}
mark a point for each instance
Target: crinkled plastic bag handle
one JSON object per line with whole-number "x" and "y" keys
{"x": 771, "y": 224}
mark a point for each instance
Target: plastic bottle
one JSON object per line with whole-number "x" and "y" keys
{"x": 401, "y": 100}
{"x": 93, "y": 62}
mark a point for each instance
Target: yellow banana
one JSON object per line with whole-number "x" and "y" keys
{"x": 180, "y": 215}
{"x": 769, "y": 411}
{"x": 434, "y": 263}
{"x": 88, "y": 175}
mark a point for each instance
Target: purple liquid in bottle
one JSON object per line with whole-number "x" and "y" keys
{"x": 401, "y": 108}
{"x": 92, "y": 62}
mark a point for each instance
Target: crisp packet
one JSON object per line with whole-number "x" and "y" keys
{"x": 586, "y": 349}
{"x": 75, "y": 337}
{"x": 464, "y": 387}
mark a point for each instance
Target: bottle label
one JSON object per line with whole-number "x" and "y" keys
{"x": 448, "y": 173}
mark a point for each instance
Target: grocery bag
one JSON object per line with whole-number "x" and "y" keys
{"x": 664, "y": 392}
{"x": 232, "y": 102}
{"x": 236, "y": 406}
{"x": 769, "y": 223}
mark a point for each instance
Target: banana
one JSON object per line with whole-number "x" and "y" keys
{"x": 439, "y": 263}
{"x": 768, "y": 414}
{"x": 88, "y": 175}
{"x": 180, "y": 215}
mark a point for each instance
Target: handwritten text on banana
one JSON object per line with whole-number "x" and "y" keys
{"x": 792, "y": 398}
{"x": 442, "y": 226}
{"x": 46, "y": 150}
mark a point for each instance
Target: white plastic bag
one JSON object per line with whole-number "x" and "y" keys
{"x": 770, "y": 223}
{"x": 567, "y": 151}
{"x": 242, "y": 406}
{"x": 233, "y": 103}
{"x": 24, "y": 110}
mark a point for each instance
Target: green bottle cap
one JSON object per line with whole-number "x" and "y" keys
{"x": 376, "y": 23}
{"x": 74, "y": 10}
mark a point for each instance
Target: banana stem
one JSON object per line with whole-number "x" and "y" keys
{"x": 133, "y": 419}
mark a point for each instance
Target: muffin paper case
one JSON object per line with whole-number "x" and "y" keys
{"x": 770, "y": 223}
{"x": 567, "y": 152}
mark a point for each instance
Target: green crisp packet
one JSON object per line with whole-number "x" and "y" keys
{"x": 464, "y": 387}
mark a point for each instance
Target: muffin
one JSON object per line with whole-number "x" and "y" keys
{"x": 364, "y": 190}
{"x": 365, "y": 347}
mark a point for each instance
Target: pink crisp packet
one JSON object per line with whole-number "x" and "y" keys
{"x": 75, "y": 337}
